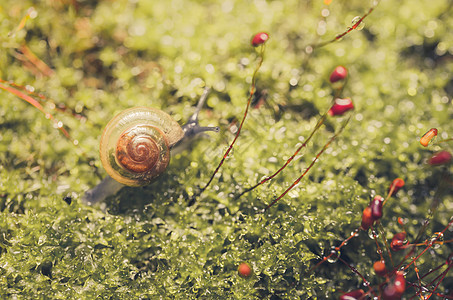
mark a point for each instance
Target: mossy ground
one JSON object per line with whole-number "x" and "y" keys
{"x": 147, "y": 242}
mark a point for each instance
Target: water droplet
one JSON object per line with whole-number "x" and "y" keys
{"x": 334, "y": 255}
{"x": 357, "y": 23}
{"x": 32, "y": 13}
{"x": 29, "y": 88}
{"x": 437, "y": 240}
{"x": 372, "y": 234}
{"x": 424, "y": 294}
{"x": 403, "y": 270}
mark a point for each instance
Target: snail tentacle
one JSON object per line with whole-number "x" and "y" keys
{"x": 192, "y": 128}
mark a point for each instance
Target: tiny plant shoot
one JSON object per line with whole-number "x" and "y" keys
{"x": 259, "y": 40}
{"x": 337, "y": 108}
{"x": 28, "y": 98}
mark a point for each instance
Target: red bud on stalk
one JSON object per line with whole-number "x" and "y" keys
{"x": 428, "y": 136}
{"x": 376, "y": 207}
{"x": 440, "y": 158}
{"x": 397, "y": 184}
{"x": 339, "y": 73}
{"x": 379, "y": 268}
{"x": 260, "y": 38}
{"x": 398, "y": 241}
{"x": 341, "y": 106}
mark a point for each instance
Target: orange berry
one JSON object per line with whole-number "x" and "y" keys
{"x": 379, "y": 268}
{"x": 244, "y": 270}
{"x": 428, "y": 136}
{"x": 367, "y": 218}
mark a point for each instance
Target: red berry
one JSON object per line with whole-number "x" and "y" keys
{"x": 379, "y": 268}
{"x": 440, "y": 158}
{"x": 341, "y": 106}
{"x": 397, "y": 184}
{"x": 244, "y": 270}
{"x": 376, "y": 207}
{"x": 354, "y": 295}
{"x": 260, "y": 38}
{"x": 367, "y": 218}
{"x": 339, "y": 73}
{"x": 398, "y": 241}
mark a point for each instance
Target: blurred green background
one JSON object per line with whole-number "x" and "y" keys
{"x": 93, "y": 59}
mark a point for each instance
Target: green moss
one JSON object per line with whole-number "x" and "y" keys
{"x": 154, "y": 241}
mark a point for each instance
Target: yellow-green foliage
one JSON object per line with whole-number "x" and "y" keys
{"x": 106, "y": 56}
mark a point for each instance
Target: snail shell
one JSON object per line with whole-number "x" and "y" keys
{"x": 135, "y": 145}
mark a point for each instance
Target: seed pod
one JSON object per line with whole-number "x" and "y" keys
{"x": 341, "y": 106}
{"x": 428, "y": 136}
{"x": 379, "y": 268}
{"x": 376, "y": 207}
{"x": 397, "y": 184}
{"x": 400, "y": 283}
{"x": 398, "y": 241}
{"x": 394, "y": 290}
{"x": 339, "y": 73}
{"x": 367, "y": 218}
{"x": 440, "y": 158}
{"x": 259, "y": 39}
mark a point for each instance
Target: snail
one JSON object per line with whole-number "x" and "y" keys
{"x": 136, "y": 144}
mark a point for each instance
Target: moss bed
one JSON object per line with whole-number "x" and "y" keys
{"x": 92, "y": 59}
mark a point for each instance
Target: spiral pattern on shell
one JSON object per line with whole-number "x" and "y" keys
{"x": 137, "y": 151}
{"x": 135, "y": 145}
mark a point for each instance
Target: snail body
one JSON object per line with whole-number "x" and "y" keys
{"x": 136, "y": 144}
